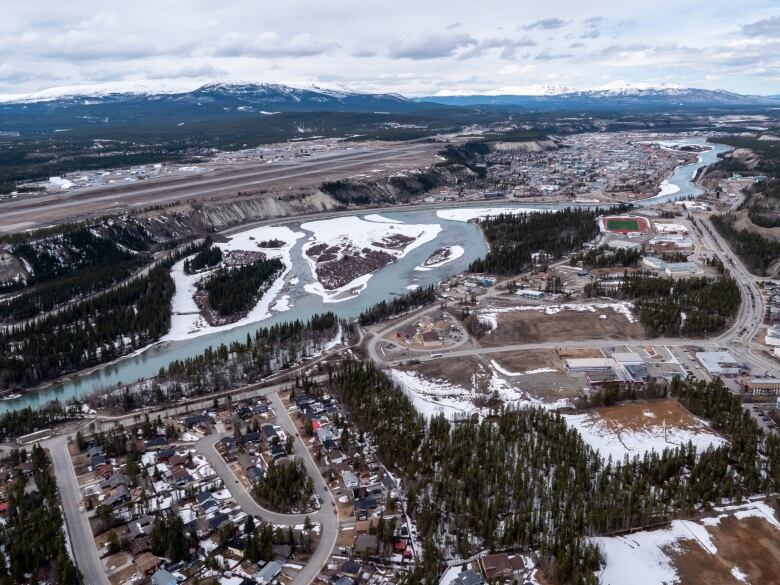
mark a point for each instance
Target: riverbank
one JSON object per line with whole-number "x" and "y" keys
{"x": 294, "y": 302}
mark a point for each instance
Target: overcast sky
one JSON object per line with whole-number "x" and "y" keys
{"x": 413, "y": 47}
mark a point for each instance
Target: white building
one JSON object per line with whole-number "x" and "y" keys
{"x": 773, "y": 336}
{"x": 719, "y": 363}
{"x": 670, "y": 228}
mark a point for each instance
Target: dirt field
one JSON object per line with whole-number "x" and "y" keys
{"x": 457, "y": 371}
{"x": 535, "y": 326}
{"x": 532, "y": 359}
{"x": 751, "y": 545}
{"x": 638, "y": 416}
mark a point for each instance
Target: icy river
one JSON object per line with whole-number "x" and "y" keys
{"x": 297, "y": 295}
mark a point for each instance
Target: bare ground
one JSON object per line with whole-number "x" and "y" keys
{"x": 535, "y": 326}
{"x": 639, "y": 415}
{"x": 456, "y": 371}
{"x": 751, "y": 545}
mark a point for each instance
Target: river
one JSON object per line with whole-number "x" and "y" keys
{"x": 391, "y": 280}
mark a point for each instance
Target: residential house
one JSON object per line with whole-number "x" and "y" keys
{"x": 268, "y": 573}
{"x": 163, "y": 577}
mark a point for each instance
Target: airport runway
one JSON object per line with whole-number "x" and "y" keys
{"x": 223, "y": 183}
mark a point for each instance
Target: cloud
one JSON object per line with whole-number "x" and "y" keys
{"x": 576, "y": 45}
{"x": 269, "y": 45}
{"x": 546, "y": 24}
{"x": 194, "y": 71}
{"x": 594, "y": 21}
{"x": 549, "y": 55}
{"x": 432, "y": 47}
{"x": 768, "y": 27}
{"x": 9, "y": 74}
{"x": 363, "y": 53}
{"x": 508, "y": 47}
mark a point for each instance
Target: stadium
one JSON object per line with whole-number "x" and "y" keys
{"x": 621, "y": 224}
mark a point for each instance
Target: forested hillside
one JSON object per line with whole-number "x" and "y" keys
{"x": 524, "y": 479}
{"x": 514, "y": 238}
{"x": 269, "y": 350}
{"x": 88, "y": 333}
{"x": 759, "y": 254}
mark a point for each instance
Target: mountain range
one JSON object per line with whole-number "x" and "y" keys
{"x": 160, "y": 111}
{"x": 615, "y": 95}
{"x": 268, "y": 98}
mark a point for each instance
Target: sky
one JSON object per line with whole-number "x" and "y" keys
{"x": 412, "y": 47}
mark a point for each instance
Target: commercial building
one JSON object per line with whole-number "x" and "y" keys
{"x": 773, "y": 336}
{"x": 761, "y": 385}
{"x": 719, "y": 363}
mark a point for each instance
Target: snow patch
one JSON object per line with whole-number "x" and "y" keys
{"x": 469, "y": 213}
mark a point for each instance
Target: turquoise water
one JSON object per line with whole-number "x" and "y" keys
{"x": 390, "y": 280}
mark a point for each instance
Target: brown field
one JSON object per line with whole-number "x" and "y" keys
{"x": 535, "y": 326}
{"x": 456, "y": 371}
{"x": 666, "y": 413}
{"x": 751, "y": 544}
{"x": 531, "y": 359}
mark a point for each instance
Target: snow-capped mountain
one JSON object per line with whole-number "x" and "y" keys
{"x": 618, "y": 94}
{"x": 227, "y": 96}
{"x": 529, "y": 90}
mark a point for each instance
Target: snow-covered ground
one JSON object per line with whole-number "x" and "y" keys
{"x": 610, "y": 438}
{"x": 643, "y": 558}
{"x": 467, "y": 213}
{"x": 455, "y": 253}
{"x": 432, "y": 397}
{"x": 186, "y": 320}
{"x": 505, "y": 372}
{"x": 358, "y": 233}
{"x": 667, "y": 188}
{"x": 488, "y": 316}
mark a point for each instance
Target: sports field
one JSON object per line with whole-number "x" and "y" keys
{"x": 629, "y": 225}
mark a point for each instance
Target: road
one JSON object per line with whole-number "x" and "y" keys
{"x": 737, "y": 338}
{"x": 326, "y": 516}
{"x": 79, "y": 531}
{"x": 86, "y": 554}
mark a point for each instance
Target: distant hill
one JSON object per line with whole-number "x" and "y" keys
{"x": 613, "y": 96}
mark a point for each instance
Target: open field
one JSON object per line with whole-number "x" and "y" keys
{"x": 572, "y": 322}
{"x": 637, "y": 428}
{"x": 460, "y": 371}
{"x": 737, "y": 545}
{"x": 470, "y": 385}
